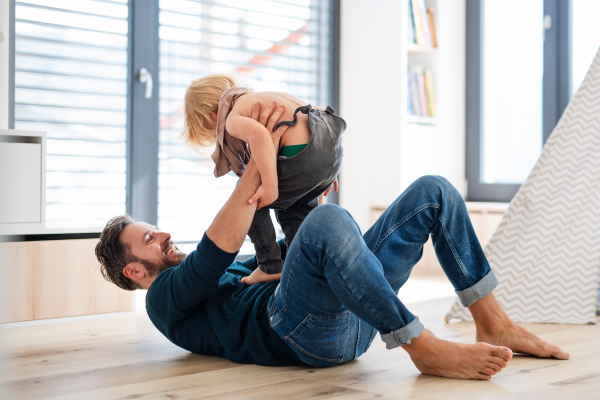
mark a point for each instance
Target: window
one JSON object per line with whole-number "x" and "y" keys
{"x": 586, "y": 38}
{"x": 71, "y": 81}
{"x": 270, "y": 45}
{"x": 512, "y": 89}
{"x": 76, "y": 70}
{"x": 518, "y": 84}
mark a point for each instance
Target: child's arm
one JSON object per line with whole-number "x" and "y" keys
{"x": 231, "y": 224}
{"x": 263, "y": 152}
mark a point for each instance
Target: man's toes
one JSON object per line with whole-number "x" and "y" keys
{"x": 501, "y": 362}
{"x": 561, "y": 355}
{"x": 494, "y": 366}
{"x": 503, "y": 352}
{"x": 483, "y": 377}
{"x": 488, "y": 371}
{"x": 547, "y": 350}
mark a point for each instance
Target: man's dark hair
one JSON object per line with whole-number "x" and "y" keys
{"x": 114, "y": 255}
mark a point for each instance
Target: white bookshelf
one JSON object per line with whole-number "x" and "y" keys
{"x": 413, "y": 48}
{"x": 385, "y": 148}
{"x": 416, "y": 119}
{"x": 435, "y": 145}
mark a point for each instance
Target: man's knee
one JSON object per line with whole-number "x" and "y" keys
{"x": 434, "y": 181}
{"x": 330, "y": 223}
{"x": 438, "y": 186}
{"x": 329, "y": 215}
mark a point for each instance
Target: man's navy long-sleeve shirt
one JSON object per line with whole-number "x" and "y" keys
{"x": 202, "y": 306}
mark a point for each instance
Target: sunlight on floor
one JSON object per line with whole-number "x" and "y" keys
{"x": 425, "y": 287}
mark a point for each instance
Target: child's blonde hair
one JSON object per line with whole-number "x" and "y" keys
{"x": 202, "y": 100}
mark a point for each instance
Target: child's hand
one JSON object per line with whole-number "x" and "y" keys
{"x": 258, "y": 276}
{"x": 264, "y": 196}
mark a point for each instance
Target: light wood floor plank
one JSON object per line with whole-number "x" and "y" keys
{"x": 7, "y": 394}
{"x": 37, "y": 361}
{"x": 206, "y": 383}
{"x": 75, "y": 382}
{"x": 127, "y": 358}
{"x": 294, "y": 389}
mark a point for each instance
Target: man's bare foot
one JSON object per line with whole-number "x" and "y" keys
{"x": 518, "y": 339}
{"x": 496, "y": 328}
{"x": 439, "y": 357}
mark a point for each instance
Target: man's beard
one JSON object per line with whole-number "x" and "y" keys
{"x": 154, "y": 268}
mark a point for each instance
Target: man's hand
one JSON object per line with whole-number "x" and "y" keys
{"x": 269, "y": 119}
{"x": 259, "y": 276}
{"x": 335, "y": 184}
{"x": 322, "y": 197}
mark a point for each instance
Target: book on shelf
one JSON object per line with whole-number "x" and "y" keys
{"x": 409, "y": 101}
{"x": 424, "y": 22}
{"x": 420, "y": 92}
{"x": 429, "y": 93}
{"x": 421, "y": 29}
{"x": 431, "y": 20}
{"x": 413, "y": 89}
{"x": 411, "y": 25}
{"x": 419, "y": 34}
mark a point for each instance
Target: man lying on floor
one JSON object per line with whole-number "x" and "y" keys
{"x": 337, "y": 289}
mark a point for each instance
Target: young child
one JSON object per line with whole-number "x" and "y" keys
{"x": 218, "y": 111}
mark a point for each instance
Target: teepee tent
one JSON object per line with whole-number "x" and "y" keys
{"x": 546, "y": 251}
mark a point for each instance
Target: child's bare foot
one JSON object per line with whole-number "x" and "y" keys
{"x": 518, "y": 339}
{"x": 439, "y": 357}
{"x": 258, "y": 276}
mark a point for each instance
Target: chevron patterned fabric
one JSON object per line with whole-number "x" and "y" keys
{"x": 546, "y": 251}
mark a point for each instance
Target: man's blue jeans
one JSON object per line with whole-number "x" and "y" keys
{"x": 338, "y": 287}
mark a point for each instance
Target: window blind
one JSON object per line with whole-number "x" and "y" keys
{"x": 271, "y": 45}
{"x": 71, "y": 81}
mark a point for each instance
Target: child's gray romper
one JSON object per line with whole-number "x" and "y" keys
{"x": 302, "y": 178}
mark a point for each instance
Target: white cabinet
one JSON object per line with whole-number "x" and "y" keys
{"x": 22, "y": 181}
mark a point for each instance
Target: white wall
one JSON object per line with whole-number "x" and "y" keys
{"x": 370, "y": 81}
{"x": 383, "y": 157}
{"x": 4, "y": 57}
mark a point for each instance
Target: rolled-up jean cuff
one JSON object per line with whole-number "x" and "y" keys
{"x": 402, "y": 336}
{"x": 479, "y": 290}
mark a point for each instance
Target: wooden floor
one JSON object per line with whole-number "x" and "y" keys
{"x": 127, "y": 358}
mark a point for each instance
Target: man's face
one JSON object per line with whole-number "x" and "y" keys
{"x": 153, "y": 248}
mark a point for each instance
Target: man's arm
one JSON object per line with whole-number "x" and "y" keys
{"x": 230, "y": 226}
